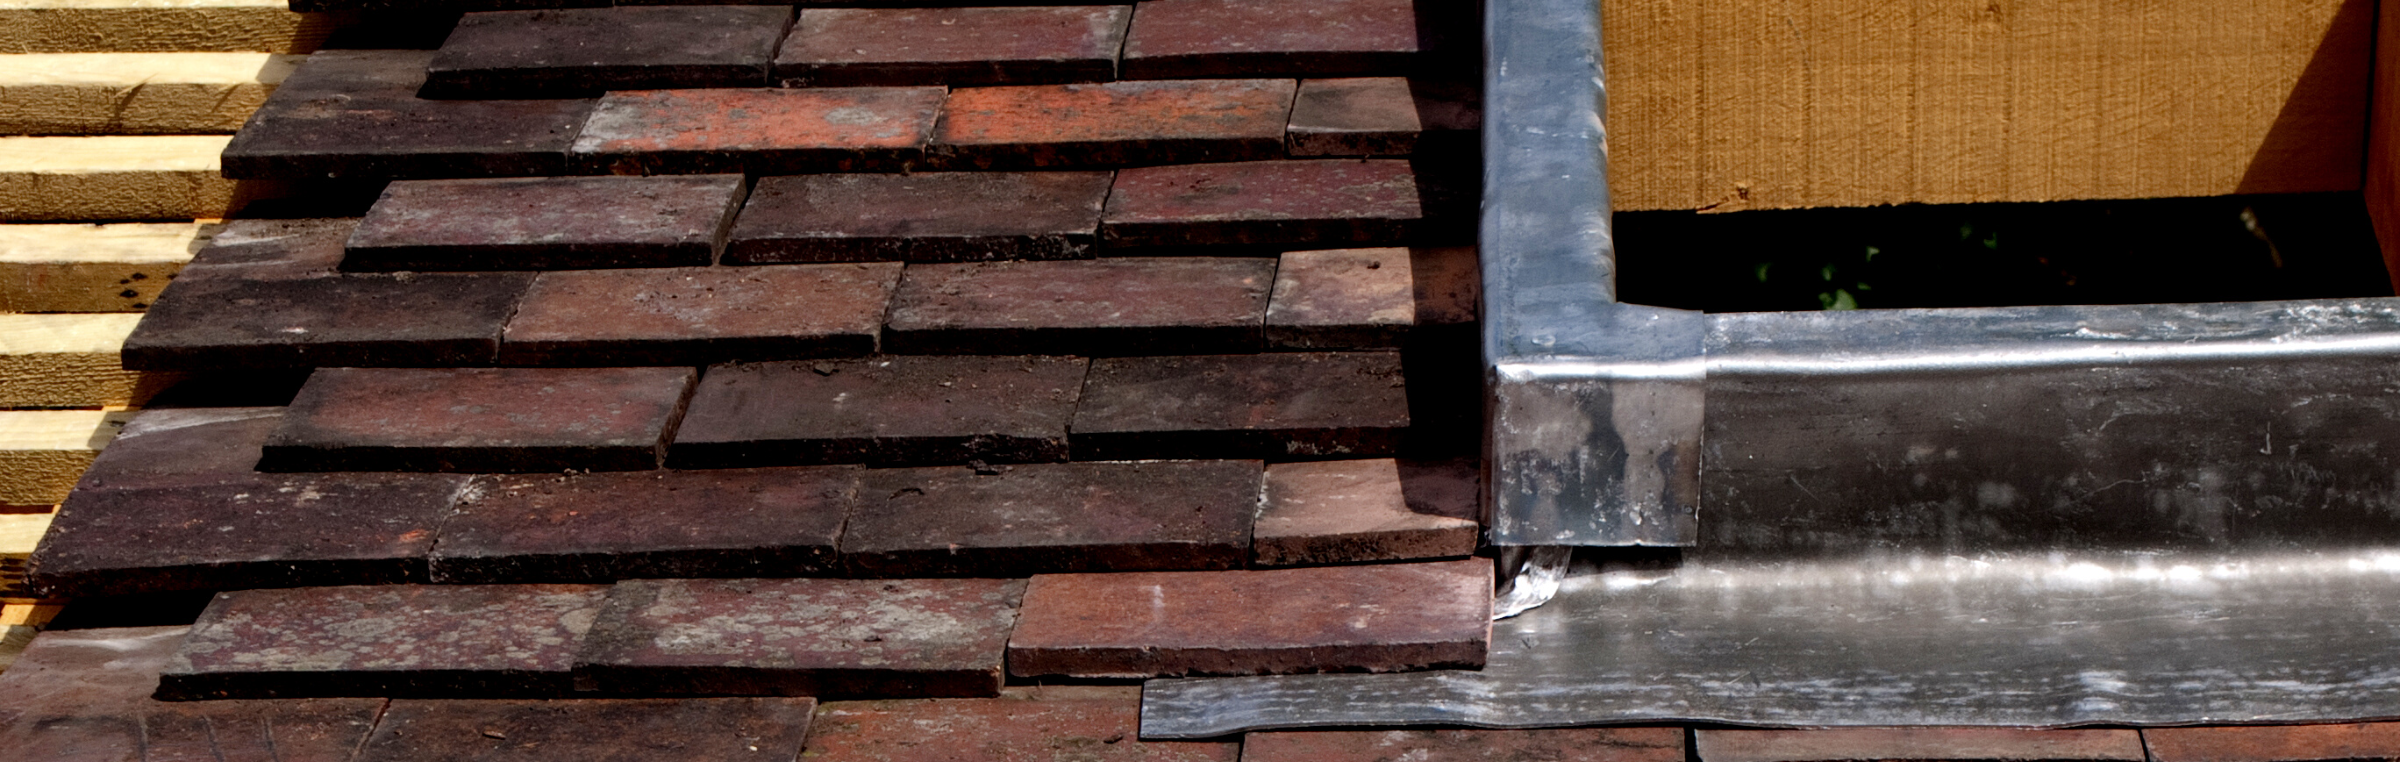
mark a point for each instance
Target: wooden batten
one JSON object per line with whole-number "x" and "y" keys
{"x": 136, "y": 93}
{"x": 88, "y": 26}
{"x": 170, "y": 177}
{"x": 93, "y": 268}
{"x": 43, "y": 452}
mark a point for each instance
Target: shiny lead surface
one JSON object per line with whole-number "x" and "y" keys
{"x": 2037, "y": 638}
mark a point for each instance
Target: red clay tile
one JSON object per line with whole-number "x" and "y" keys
{"x": 271, "y": 250}
{"x": 700, "y": 315}
{"x": 1448, "y": 285}
{"x": 480, "y": 419}
{"x": 546, "y": 223}
{"x": 1283, "y": 406}
{"x": 385, "y": 640}
{"x": 899, "y": 410}
{"x": 1911, "y": 744}
{"x": 591, "y": 730}
{"x": 1349, "y": 511}
{"x": 1320, "y": 203}
{"x": 1011, "y": 521}
{"x": 585, "y": 51}
{"x": 850, "y": 47}
{"x": 936, "y": 217}
{"x": 1450, "y": 487}
{"x": 355, "y": 113}
{"x": 1147, "y": 305}
{"x": 1047, "y": 724}
{"x": 2274, "y": 743}
{"x": 422, "y": 6}
{"x": 1261, "y": 38}
{"x": 1543, "y": 745}
{"x": 84, "y": 696}
{"x": 366, "y": 320}
{"x": 1342, "y": 299}
{"x": 1381, "y": 618}
{"x": 1115, "y": 123}
{"x": 170, "y": 446}
{"x": 1368, "y": 116}
{"x": 244, "y": 531}
{"x": 758, "y": 131}
{"x": 780, "y": 522}
{"x": 803, "y": 637}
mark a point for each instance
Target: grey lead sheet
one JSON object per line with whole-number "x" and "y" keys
{"x": 2028, "y": 639}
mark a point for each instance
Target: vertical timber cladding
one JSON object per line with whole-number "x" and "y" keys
{"x": 1767, "y": 104}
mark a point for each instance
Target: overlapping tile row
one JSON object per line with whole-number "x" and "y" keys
{"x": 543, "y": 47}
{"x": 290, "y": 293}
{"x": 888, "y": 410}
{"x": 359, "y": 114}
{"x": 834, "y": 638}
{"x": 86, "y": 696}
{"x": 180, "y": 507}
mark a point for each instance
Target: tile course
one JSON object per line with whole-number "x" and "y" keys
{"x": 385, "y": 640}
{"x": 759, "y": 131}
{"x": 600, "y": 527}
{"x": 850, "y": 47}
{"x": 807, "y": 637}
{"x": 480, "y": 419}
{"x": 546, "y": 223}
{"x": 931, "y": 217}
{"x": 1118, "y": 306}
{"x": 888, "y": 410}
{"x": 699, "y": 315}
{"x": 585, "y": 51}
{"x": 1012, "y": 521}
{"x": 355, "y": 113}
{"x": 1380, "y": 618}
{"x": 975, "y": 515}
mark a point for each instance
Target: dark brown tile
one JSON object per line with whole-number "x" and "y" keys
{"x": 1918, "y": 744}
{"x": 803, "y": 637}
{"x": 1350, "y": 511}
{"x": 164, "y": 447}
{"x": 1114, "y": 124}
{"x": 1256, "y": 38}
{"x": 1342, "y": 299}
{"x": 385, "y": 640}
{"x": 934, "y": 217}
{"x": 547, "y": 223}
{"x": 898, "y": 410}
{"x": 244, "y": 531}
{"x": 1379, "y": 618}
{"x": 591, "y": 730}
{"x": 1045, "y": 724}
{"x": 480, "y": 419}
{"x": 271, "y": 250}
{"x": 360, "y": 320}
{"x": 2274, "y": 743}
{"x": 1448, "y": 285}
{"x": 700, "y": 315}
{"x": 850, "y": 47}
{"x": 1366, "y": 116}
{"x": 1281, "y": 406}
{"x": 1130, "y": 305}
{"x": 84, "y": 696}
{"x": 1011, "y": 521}
{"x": 585, "y": 51}
{"x": 1326, "y": 203}
{"x": 780, "y": 522}
{"x": 1409, "y": 745}
{"x": 356, "y": 114}
{"x": 758, "y": 131}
